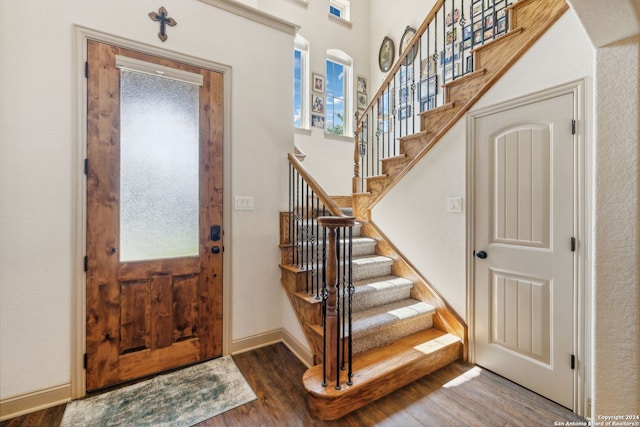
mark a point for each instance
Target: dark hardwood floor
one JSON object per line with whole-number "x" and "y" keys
{"x": 457, "y": 395}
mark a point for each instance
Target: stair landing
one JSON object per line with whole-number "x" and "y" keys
{"x": 380, "y": 371}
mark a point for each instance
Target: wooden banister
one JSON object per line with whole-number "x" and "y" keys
{"x": 332, "y": 318}
{"x": 313, "y": 184}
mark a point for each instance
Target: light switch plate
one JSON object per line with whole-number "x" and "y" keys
{"x": 244, "y": 203}
{"x": 454, "y": 204}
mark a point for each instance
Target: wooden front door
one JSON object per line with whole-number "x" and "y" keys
{"x": 524, "y": 230}
{"x": 154, "y": 215}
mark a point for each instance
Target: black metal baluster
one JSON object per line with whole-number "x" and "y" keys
{"x": 444, "y": 45}
{"x": 305, "y": 248}
{"x": 338, "y": 297}
{"x": 351, "y": 292}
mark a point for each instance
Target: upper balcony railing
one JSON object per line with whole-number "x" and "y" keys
{"x": 438, "y": 52}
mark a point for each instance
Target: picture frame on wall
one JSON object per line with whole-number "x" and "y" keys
{"x": 428, "y": 103}
{"x": 466, "y": 33}
{"x": 317, "y": 121}
{"x": 361, "y": 84}
{"x": 501, "y": 26}
{"x": 405, "y": 112}
{"x": 386, "y": 54}
{"x": 427, "y": 67}
{"x": 317, "y": 104}
{"x": 452, "y": 18}
{"x": 362, "y": 100}
{"x": 477, "y": 8}
{"x": 452, "y": 36}
{"x": 317, "y": 83}
{"x": 451, "y": 70}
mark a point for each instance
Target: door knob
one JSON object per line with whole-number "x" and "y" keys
{"x": 481, "y": 254}
{"x": 215, "y": 250}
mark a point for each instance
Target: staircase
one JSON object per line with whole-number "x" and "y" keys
{"x": 402, "y": 329}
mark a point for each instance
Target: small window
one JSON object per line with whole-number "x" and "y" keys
{"x": 339, "y": 9}
{"x": 339, "y": 87}
{"x": 300, "y": 88}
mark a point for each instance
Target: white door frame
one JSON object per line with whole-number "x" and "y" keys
{"x": 79, "y": 238}
{"x": 582, "y": 229}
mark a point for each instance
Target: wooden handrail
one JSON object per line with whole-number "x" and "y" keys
{"x": 332, "y": 318}
{"x": 317, "y": 189}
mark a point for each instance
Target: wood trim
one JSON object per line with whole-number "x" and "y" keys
{"x": 78, "y": 293}
{"x": 297, "y": 348}
{"x": 30, "y": 402}
{"x": 254, "y": 15}
{"x": 580, "y": 303}
{"x": 343, "y": 201}
{"x": 256, "y": 341}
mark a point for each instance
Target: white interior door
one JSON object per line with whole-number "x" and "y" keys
{"x": 524, "y": 264}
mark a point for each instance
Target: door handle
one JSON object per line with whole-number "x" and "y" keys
{"x": 481, "y": 254}
{"x": 214, "y": 233}
{"x": 215, "y": 250}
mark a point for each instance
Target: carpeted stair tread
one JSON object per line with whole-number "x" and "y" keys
{"x": 377, "y": 291}
{"x": 368, "y": 266}
{"x": 361, "y": 246}
{"x": 381, "y": 325}
{"x": 377, "y": 317}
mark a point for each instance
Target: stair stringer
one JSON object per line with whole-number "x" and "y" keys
{"x": 529, "y": 20}
{"x": 446, "y": 319}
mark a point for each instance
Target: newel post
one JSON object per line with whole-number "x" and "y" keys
{"x": 332, "y": 318}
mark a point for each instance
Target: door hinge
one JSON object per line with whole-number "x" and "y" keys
{"x": 573, "y": 244}
{"x": 86, "y": 360}
{"x": 86, "y": 167}
{"x": 573, "y": 361}
{"x": 86, "y": 264}
{"x": 86, "y": 69}
{"x": 573, "y": 127}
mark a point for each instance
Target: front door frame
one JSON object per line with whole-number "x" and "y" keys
{"x": 582, "y": 303}
{"x": 79, "y": 238}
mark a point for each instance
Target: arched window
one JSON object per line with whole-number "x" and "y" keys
{"x": 300, "y": 83}
{"x": 339, "y": 89}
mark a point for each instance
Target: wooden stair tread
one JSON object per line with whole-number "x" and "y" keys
{"x": 415, "y": 134}
{"x": 380, "y": 371}
{"x": 311, "y": 299}
{"x": 376, "y": 361}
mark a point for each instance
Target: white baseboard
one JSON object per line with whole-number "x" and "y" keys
{"x": 34, "y": 401}
{"x": 272, "y": 337}
{"x": 47, "y": 398}
{"x": 300, "y": 351}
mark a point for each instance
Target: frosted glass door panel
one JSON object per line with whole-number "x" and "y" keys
{"x": 159, "y": 147}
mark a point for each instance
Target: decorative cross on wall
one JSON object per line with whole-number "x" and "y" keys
{"x": 164, "y": 20}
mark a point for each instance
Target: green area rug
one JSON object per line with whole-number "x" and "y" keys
{"x": 181, "y": 398}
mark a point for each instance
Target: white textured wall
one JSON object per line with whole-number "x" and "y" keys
{"x": 434, "y": 240}
{"x": 36, "y": 169}
{"x": 617, "y": 248}
{"x": 329, "y": 160}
